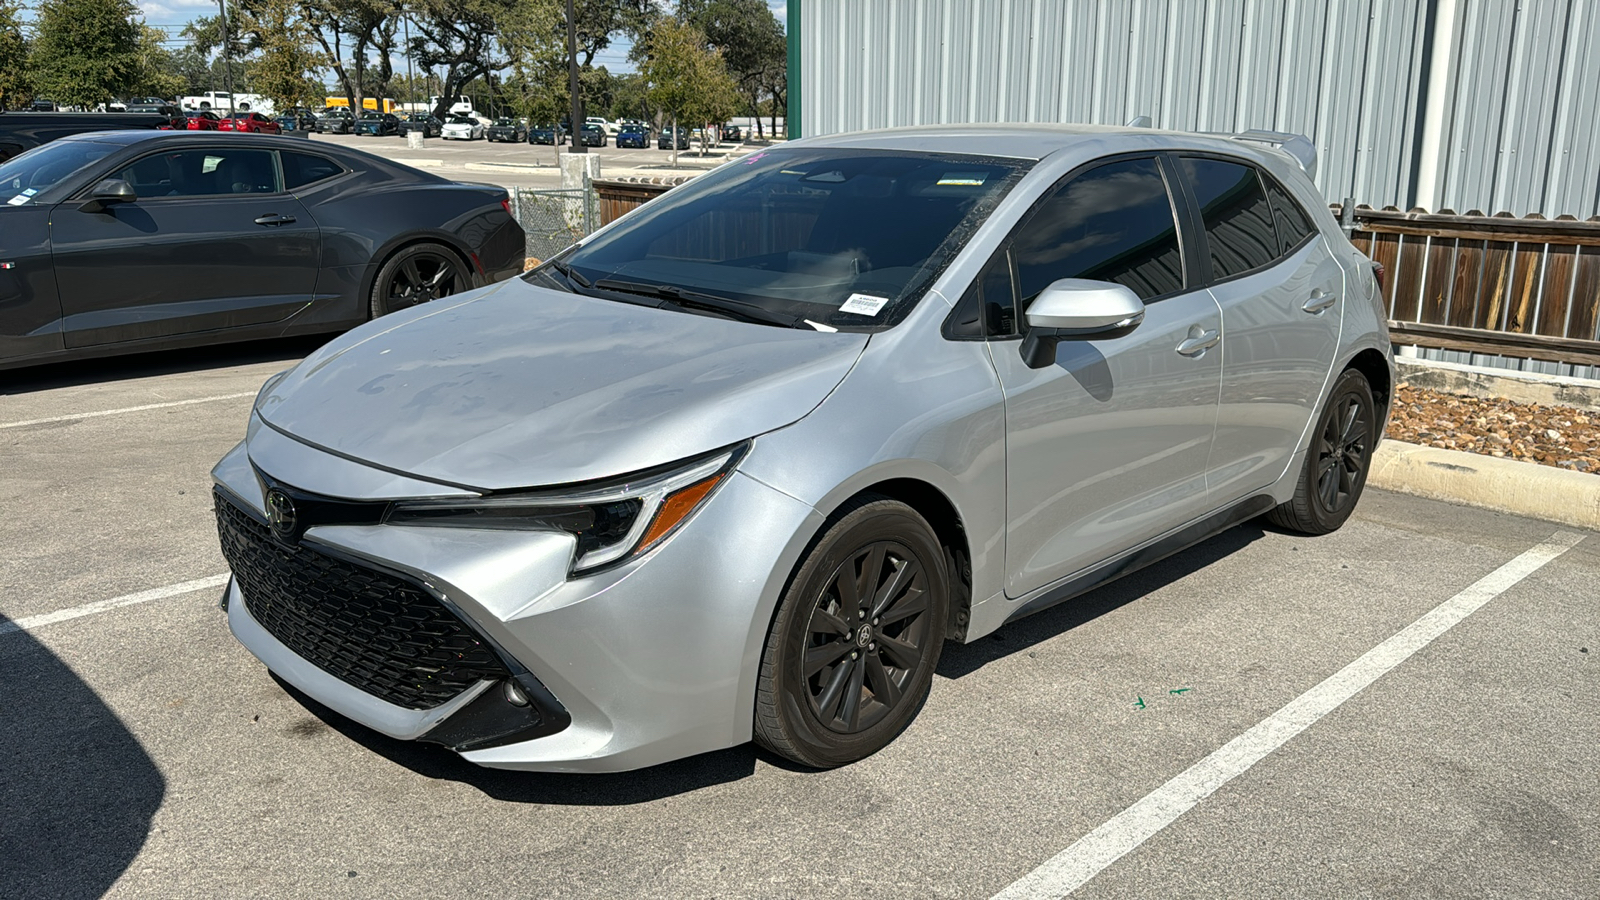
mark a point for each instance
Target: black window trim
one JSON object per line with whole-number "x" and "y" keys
{"x": 1186, "y": 242}
{"x": 1203, "y": 250}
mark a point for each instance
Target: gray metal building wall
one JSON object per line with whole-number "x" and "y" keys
{"x": 1520, "y": 129}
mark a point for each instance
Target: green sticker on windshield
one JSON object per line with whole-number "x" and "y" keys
{"x": 969, "y": 179}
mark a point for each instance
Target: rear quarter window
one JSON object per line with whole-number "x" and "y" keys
{"x": 301, "y": 169}
{"x": 1291, "y": 221}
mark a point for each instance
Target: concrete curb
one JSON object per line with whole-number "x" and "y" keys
{"x": 1500, "y": 384}
{"x": 1506, "y": 485}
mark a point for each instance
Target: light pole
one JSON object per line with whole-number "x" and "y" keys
{"x": 227, "y": 58}
{"x": 572, "y": 81}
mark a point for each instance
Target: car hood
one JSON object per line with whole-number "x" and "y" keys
{"x": 521, "y": 386}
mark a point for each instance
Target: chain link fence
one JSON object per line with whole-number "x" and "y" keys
{"x": 554, "y": 219}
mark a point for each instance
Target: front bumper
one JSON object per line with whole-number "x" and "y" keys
{"x": 653, "y": 661}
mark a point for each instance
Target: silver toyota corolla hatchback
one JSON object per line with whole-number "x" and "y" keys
{"x": 736, "y": 466}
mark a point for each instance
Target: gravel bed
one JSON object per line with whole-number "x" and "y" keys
{"x": 1559, "y": 436}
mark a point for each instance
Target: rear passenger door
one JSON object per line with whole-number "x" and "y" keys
{"x": 1281, "y": 295}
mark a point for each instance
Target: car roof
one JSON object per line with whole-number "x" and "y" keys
{"x": 1018, "y": 141}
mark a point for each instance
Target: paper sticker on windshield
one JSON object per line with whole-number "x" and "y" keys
{"x": 863, "y": 304}
{"x": 970, "y": 179}
{"x": 18, "y": 200}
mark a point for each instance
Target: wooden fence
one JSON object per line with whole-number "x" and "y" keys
{"x": 1527, "y": 287}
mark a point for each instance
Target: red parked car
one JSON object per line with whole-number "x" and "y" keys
{"x": 253, "y": 122}
{"x": 201, "y": 120}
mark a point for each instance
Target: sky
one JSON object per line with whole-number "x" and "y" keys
{"x": 171, "y": 15}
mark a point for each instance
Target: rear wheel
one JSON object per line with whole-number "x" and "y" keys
{"x": 416, "y": 275}
{"x": 850, "y": 657}
{"x": 1335, "y": 468}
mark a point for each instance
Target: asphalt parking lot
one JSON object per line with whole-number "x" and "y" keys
{"x": 528, "y": 165}
{"x": 147, "y": 754}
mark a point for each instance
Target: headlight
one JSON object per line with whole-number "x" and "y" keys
{"x": 613, "y": 522}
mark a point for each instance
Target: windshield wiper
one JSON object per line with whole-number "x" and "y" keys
{"x": 568, "y": 272}
{"x": 682, "y": 298}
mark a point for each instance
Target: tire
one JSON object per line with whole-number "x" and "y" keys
{"x": 868, "y": 674}
{"x": 1335, "y": 468}
{"x": 415, "y": 275}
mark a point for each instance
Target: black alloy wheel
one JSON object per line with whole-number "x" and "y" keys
{"x": 1335, "y": 468}
{"x": 850, "y": 657}
{"x": 867, "y": 635}
{"x": 416, "y": 275}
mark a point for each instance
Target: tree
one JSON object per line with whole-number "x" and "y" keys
{"x": 282, "y": 64}
{"x": 158, "y": 75}
{"x": 364, "y": 27}
{"x": 86, "y": 52}
{"x": 688, "y": 81}
{"x": 750, "y": 38}
{"x": 13, "y": 58}
{"x": 459, "y": 36}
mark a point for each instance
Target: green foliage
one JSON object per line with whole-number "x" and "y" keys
{"x": 687, "y": 80}
{"x": 87, "y": 51}
{"x": 282, "y": 65}
{"x": 158, "y": 75}
{"x": 459, "y": 36}
{"x": 13, "y": 58}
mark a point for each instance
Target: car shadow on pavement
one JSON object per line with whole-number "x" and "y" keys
{"x": 610, "y": 789}
{"x": 77, "y": 790}
{"x": 963, "y": 659}
{"x": 148, "y": 365}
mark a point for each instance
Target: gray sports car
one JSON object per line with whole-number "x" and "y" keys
{"x": 739, "y": 464}
{"x": 117, "y": 242}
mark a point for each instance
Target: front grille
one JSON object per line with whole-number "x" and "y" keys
{"x": 385, "y": 635}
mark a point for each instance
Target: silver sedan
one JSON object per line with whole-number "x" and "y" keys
{"x": 738, "y": 465}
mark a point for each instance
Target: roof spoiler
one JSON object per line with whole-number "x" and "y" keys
{"x": 1298, "y": 146}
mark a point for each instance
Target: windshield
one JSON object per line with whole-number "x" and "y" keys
{"x": 460, "y": 121}
{"x": 503, "y": 122}
{"x": 28, "y": 174}
{"x": 850, "y": 239}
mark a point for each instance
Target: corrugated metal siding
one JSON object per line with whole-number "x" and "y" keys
{"x": 1522, "y": 130}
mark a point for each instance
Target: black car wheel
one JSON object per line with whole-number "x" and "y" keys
{"x": 417, "y": 274}
{"x": 1335, "y": 468}
{"x": 850, "y": 657}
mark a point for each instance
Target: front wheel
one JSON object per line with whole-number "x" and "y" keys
{"x": 1335, "y": 468}
{"x": 849, "y": 660}
{"x": 417, "y": 274}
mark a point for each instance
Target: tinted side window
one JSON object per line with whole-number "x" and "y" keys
{"x": 1111, "y": 223}
{"x": 1237, "y": 219}
{"x": 301, "y": 169}
{"x": 199, "y": 173}
{"x": 1292, "y": 223}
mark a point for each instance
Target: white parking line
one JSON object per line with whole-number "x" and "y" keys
{"x": 30, "y": 623}
{"x": 125, "y": 409}
{"x": 1073, "y": 867}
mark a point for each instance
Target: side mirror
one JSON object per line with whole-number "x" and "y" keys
{"x": 1077, "y": 309}
{"x": 107, "y": 193}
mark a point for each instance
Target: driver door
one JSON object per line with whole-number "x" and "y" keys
{"x": 1106, "y": 448}
{"x": 212, "y": 242}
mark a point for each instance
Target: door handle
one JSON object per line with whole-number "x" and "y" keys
{"x": 1199, "y": 341}
{"x": 274, "y": 219}
{"x": 1320, "y": 300}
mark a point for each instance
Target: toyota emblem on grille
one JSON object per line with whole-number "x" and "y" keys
{"x": 280, "y": 513}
